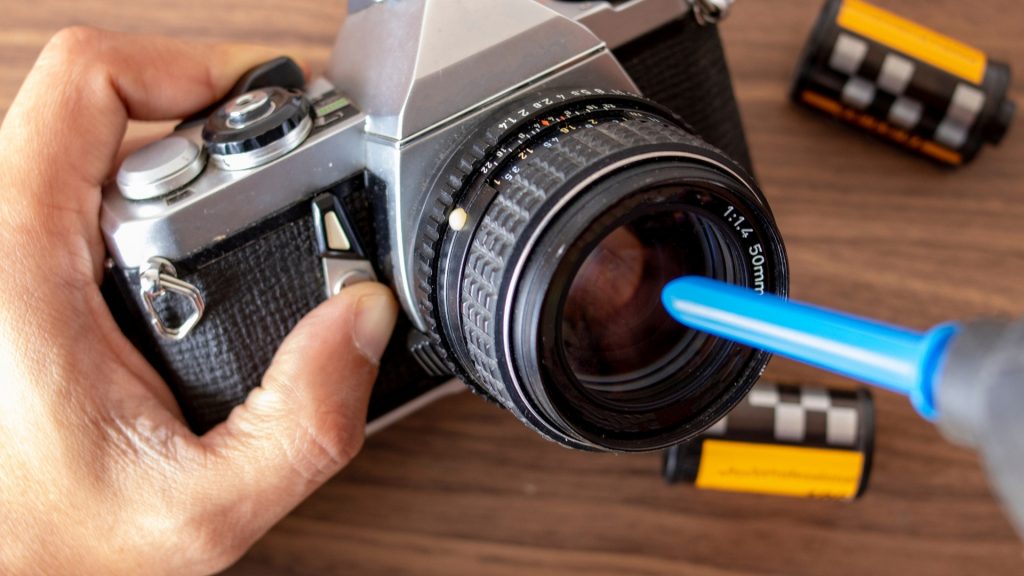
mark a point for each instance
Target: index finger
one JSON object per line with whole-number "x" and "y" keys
{"x": 72, "y": 110}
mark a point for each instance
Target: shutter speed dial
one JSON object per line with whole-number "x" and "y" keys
{"x": 257, "y": 127}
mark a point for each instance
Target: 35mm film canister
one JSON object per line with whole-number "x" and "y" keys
{"x": 801, "y": 441}
{"x": 904, "y": 82}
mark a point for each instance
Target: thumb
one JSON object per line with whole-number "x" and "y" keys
{"x": 307, "y": 420}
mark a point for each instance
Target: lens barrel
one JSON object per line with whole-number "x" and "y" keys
{"x": 580, "y": 207}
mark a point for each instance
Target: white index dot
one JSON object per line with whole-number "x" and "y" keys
{"x": 457, "y": 219}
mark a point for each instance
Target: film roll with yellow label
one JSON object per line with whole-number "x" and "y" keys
{"x": 904, "y": 82}
{"x": 800, "y": 441}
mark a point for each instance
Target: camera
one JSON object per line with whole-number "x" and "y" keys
{"x": 526, "y": 175}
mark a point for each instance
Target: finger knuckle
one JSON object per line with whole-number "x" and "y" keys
{"x": 324, "y": 445}
{"x": 73, "y": 44}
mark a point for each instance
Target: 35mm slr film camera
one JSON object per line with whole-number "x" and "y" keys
{"x": 494, "y": 163}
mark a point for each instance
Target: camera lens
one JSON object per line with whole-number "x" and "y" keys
{"x": 549, "y": 298}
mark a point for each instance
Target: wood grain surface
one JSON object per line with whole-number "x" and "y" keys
{"x": 463, "y": 488}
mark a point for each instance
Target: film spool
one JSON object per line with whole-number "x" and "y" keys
{"x": 800, "y": 441}
{"x": 903, "y": 82}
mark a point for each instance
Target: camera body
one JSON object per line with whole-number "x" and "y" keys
{"x": 358, "y": 177}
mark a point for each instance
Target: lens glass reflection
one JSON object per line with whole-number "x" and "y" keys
{"x": 614, "y": 328}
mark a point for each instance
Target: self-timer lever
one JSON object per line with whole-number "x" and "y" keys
{"x": 967, "y": 378}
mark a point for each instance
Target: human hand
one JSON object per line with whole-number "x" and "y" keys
{"x": 98, "y": 472}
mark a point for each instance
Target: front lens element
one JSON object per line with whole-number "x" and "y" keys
{"x": 614, "y": 329}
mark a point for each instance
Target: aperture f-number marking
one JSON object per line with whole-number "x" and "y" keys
{"x": 755, "y": 252}
{"x": 733, "y": 217}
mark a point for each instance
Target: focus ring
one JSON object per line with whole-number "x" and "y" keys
{"x": 506, "y": 221}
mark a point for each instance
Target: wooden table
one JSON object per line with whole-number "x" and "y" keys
{"x": 463, "y": 488}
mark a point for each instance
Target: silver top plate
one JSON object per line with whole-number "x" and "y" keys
{"x": 221, "y": 202}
